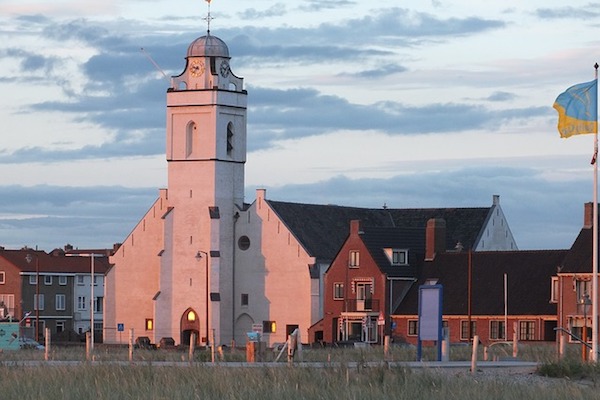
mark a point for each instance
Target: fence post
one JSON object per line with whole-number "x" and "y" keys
{"x": 192, "y": 346}
{"x": 474, "y": 355}
{"x": 47, "y": 344}
{"x": 515, "y": 341}
{"x": 446, "y": 345}
{"x": 131, "y": 345}
{"x": 88, "y": 342}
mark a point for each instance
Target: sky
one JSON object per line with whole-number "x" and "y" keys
{"x": 411, "y": 104}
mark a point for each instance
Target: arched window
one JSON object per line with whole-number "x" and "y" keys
{"x": 229, "y": 138}
{"x": 189, "y": 138}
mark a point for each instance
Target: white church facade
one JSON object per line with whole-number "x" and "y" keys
{"x": 202, "y": 261}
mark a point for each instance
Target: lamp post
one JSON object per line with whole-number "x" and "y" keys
{"x": 199, "y": 255}
{"x": 29, "y": 258}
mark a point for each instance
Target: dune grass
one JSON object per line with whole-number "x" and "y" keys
{"x": 338, "y": 381}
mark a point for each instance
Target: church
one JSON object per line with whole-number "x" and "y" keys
{"x": 202, "y": 263}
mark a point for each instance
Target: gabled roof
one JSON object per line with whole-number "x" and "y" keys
{"x": 579, "y": 257}
{"x": 53, "y": 263}
{"x": 322, "y": 229}
{"x": 528, "y": 274}
{"x": 412, "y": 239}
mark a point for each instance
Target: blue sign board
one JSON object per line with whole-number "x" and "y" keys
{"x": 120, "y": 327}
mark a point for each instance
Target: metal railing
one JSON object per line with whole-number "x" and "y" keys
{"x": 573, "y": 336}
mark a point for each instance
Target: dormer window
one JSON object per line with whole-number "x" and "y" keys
{"x": 397, "y": 256}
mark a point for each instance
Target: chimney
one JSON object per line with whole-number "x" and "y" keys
{"x": 435, "y": 238}
{"x": 588, "y": 215}
{"x": 355, "y": 227}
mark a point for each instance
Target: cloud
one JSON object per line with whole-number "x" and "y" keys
{"x": 591, "y": 11}
{"x": 275, "y": 10}
{"x": 86, "y": 215}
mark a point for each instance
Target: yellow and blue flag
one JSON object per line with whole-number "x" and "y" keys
{"x": 578, "y": 109}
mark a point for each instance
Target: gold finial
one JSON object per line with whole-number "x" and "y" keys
{"x": 208, "y": 18}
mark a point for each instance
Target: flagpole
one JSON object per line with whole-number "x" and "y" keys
{"x": 595, "y": 245}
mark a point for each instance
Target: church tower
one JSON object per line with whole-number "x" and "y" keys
{"x": 206, "y": 153}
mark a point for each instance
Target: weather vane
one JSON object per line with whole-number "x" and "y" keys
{"x": 208, "y": 17}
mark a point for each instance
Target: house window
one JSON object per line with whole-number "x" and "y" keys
{"x": 354, "y": 260}
{"x": 269, "y": 327}
{"x": 60, "y": 326}
{"x": 554, "y": 290}
{"x": 526, "y": 330}
{"x": 149, "y": 324}
{"x": 413, "y": 327}
{"x": 98, "y": 304}
{"x": 244, "y": 299}
{"x": 497, "y": 330}
{"x": 338, "y": 291}
{"x": 95, "y": 280}
{"x": 62, "y": 280}
{"x": 48, "y": 280}
{"x": 60, "y": 302}
{"x": 81, "y": 303}
{"x": 582, "y": 289}
{"x": 80, "y": 279}
{"x": 33, "y": 279}
{"x": 464, "y": 330}
{"x": 41, "y": 302}
{"x": 400, "y": 257}
{"x": 2, "y": 277}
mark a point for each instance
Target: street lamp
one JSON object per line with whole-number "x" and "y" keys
{"x": 199, "y": 255}
{"x": 29, "y": 258}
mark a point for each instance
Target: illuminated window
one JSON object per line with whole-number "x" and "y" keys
{"x": 191, "y": 316}
{"x": 269, "y": 327}
{"x": 149, "y": 324}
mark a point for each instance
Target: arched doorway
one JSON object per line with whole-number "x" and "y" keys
{"x": 190, "y": 323}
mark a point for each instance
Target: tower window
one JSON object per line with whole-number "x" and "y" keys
{"x": 229, "y": 138}
{"x": 189, "y": 138}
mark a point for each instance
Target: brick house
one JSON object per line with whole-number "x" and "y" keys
{"x": 474, "y": 291}
{"x": 29, "y": 277}
{"x": 572, "y": 283}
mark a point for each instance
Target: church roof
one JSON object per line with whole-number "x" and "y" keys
{"x": 322, "y": 229}
{"x": 208, "y": 46}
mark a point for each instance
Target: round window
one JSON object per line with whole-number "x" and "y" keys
{"x": 244, "y": 243}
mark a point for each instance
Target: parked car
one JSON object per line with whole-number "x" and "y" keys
{"x": 143, "y": 342}
{"x": 166, "y": 343}
{"x": 27, "y": 343}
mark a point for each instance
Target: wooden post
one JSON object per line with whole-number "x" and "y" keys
{"x": 562, "y": 345}
{"x": 515, "y": 341}
{"x": 47, "y": 345}
{"x": 386, "y": 347}
{"x": 212, "y": 345}
{"x": 87, "y": 346}
{"x": 192, "y": 346}
{"x": 446, "y": 345}
{"x": 474, "y": 355}
{"x": 131, "y": 345}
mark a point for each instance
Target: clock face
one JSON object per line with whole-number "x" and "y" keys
{"x": 224, "y": 69}
{"x": 197, "y": 68}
